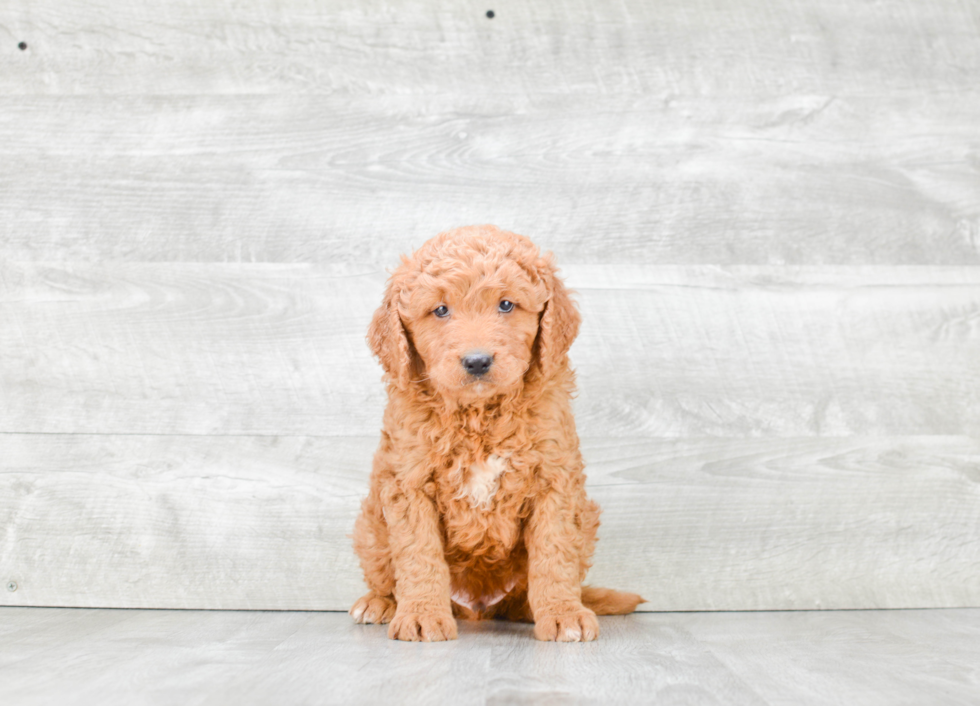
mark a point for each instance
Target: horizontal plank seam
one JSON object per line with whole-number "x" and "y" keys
{"x": 639, "y": 609}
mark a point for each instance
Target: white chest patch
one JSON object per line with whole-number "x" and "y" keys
{"x": 482, "y": 481}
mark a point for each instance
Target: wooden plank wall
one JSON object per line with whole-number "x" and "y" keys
{"x": 770, "y": 211}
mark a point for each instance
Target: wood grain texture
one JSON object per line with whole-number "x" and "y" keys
{"x": 691, "y": 524}
{"x": 187, "y": 348}
{"x": 771, "y": 211}
{"x": 674, "y": 132}
{"x": 852, "y": 657}
{"x": 790, "y": 524}
{"x": 560, "y": 46}
{"x": 181, "y": 522}
{"x": 804, "y": 179}
{"x": 865, "y": 658}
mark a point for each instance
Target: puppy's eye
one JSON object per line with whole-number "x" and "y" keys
{"x": 505, "y": 306}
{"x": 442, "y": 311}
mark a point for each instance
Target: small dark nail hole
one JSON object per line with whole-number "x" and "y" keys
{"x": 490, "y": 14}
{"x": 22, "y": 46}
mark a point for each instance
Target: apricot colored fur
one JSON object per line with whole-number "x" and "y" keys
{"x": 440, "y": 534}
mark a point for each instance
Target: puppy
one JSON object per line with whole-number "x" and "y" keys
{"x": 477, "y": 505}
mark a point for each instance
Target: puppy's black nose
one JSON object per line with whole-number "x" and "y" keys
{"x": 477, "y": 364}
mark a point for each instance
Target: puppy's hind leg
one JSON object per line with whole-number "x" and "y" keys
{"x": 372, "y": 608}
{"x": 371, "y": 544}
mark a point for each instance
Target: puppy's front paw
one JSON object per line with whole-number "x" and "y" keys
{"x": 566, "y": 623}
{"x": 422, "y": 625}
{"x": 373, "y": 608}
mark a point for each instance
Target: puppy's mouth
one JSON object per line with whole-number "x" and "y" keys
{"x": 496, "y": 379}
{"x": 479, "y": 385}
{"x": 491, "y": 382}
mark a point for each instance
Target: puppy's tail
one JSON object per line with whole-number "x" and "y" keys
{"x": 605, "y": 601}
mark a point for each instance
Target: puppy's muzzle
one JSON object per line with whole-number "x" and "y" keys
{"x": 477, "y": 363}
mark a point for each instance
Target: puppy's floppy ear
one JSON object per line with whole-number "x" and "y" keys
{"x": 388, "y": 339}
{"x": 559, "y": 320}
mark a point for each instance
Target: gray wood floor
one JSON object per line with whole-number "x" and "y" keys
{"x": 859, "y": 658}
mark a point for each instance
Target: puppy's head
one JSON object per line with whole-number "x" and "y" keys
{"x": 471, "y": 312}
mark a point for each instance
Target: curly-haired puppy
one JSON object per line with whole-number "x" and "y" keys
{"x": 477, "y": 506}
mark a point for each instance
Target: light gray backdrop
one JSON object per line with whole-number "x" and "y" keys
{"x": 770, "y": 211}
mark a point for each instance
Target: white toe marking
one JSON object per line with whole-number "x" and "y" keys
{"x": 572, "y": 634}
{"x": 357, "y": 613}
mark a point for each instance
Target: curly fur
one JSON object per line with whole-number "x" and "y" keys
{"x": 477, "y": 505}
